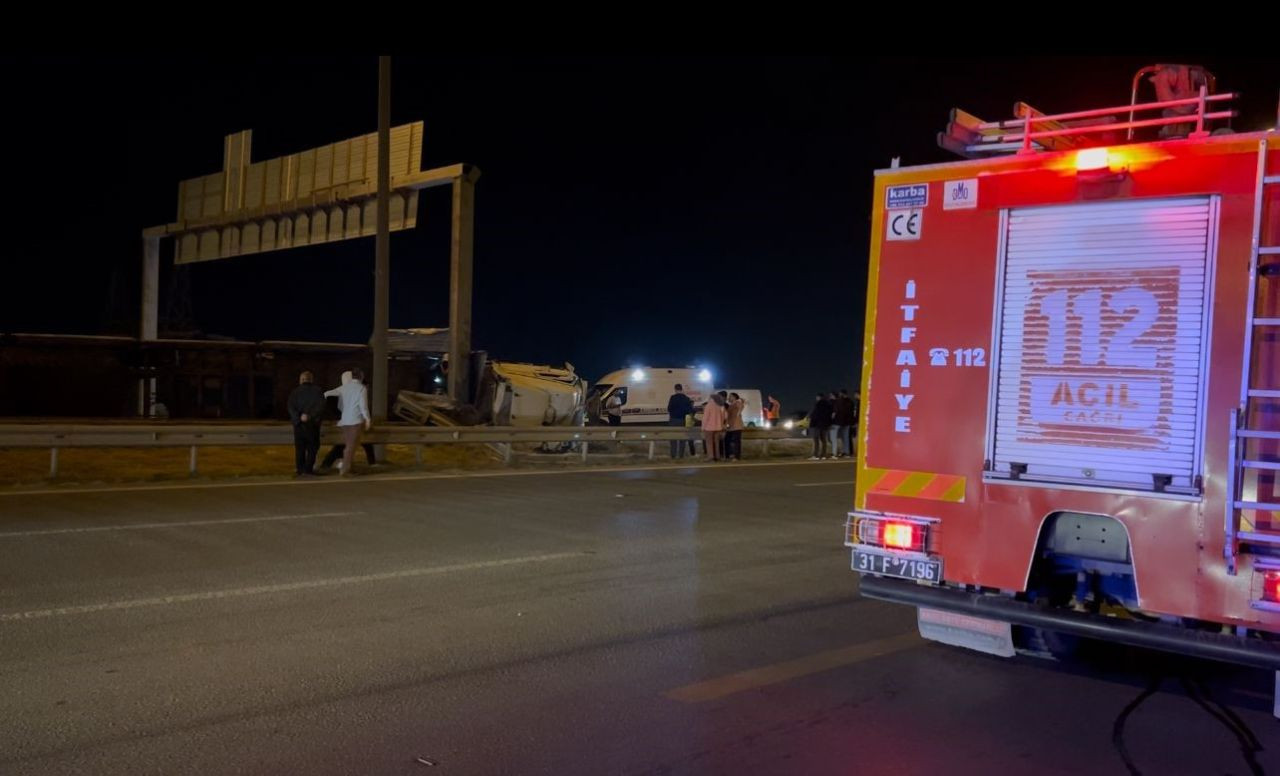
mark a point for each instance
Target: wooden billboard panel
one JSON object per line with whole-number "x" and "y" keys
{"x": 314, "y": 196}
{"x": 314, "y": 226}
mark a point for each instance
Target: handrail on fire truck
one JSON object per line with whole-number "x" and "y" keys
{"x": 971, "y": 137}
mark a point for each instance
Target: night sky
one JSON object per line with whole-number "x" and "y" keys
{"x": 663, "y": 211}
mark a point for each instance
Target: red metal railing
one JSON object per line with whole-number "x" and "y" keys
{"x": 1028, "y": 132}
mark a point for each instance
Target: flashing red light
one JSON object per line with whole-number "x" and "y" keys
{"x": 1092, "y": 159}
{"x": 1271, "y": 586}
{"x": 904, "y": 536}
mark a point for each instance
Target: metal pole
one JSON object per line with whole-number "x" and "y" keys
{"x": 1133, "y": 93}
{"x": 460, "y": 274}
{"x": 382, "y": 259}
{"x": 150, "y": 288}
{"x": 1200, "y": 111}
{"x": 149, "y": 328}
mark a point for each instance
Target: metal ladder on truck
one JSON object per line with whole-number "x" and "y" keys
{"x": 1256, "y": 522}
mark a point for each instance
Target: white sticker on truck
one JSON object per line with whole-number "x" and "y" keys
{"x": 960, "y": 195}
{"x": 904, "y": 224}
{"x": 911, "y": 195}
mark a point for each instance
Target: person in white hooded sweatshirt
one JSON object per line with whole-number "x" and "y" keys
{"x": 335, "y": 452}
{"x": 353, "y": 400}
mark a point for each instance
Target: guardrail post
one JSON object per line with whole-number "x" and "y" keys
{"x": 53, "y": 462}
{"x": 766, "y": 447}
{"x": 417, "y": 454}
{"x": 191, "y": 464}
{"x": 506, "y": 454}
{"x": 651, "y": 449}
{"x": 585, "y": 444}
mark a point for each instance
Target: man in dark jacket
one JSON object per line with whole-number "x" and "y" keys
{"x": 820, "y": 427}
{"x": 306, "y": 406}
{"x": 845, "y": 416}
{"x": 679, "y": 407}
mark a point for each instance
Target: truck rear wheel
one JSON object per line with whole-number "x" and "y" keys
{"x": 1046, "y": 644}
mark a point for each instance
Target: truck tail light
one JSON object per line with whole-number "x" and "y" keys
{"x": 900, "y": 536}
{"x": 890, "y": 533}
{"x": 1271, "y": 586}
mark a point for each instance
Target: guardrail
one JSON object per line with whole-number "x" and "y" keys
{"x": 193, "y": 436}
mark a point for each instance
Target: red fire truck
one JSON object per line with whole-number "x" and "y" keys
{"x": 1071, "y": 377}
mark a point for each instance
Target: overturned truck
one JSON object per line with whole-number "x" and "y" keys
{"x": 507, "y": 394}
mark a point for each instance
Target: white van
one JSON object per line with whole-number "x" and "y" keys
{"x": 644, "y": 392}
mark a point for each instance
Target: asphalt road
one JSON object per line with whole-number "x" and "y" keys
{"x": 663, "y": 621}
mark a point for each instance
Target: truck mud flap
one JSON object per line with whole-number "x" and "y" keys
{"x": 1159, "y": 636}
{"x": 964, "y": 630}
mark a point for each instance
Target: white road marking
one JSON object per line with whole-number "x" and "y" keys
{"x": 139, "y": 526}
{"x": 286, "y": 587}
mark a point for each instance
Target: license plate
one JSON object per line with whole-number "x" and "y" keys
{"x": 889, "y": 565}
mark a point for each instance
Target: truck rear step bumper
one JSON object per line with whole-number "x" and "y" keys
{"x": 1159, "y": 636}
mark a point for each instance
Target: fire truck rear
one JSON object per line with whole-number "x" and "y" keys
{"x": 1071, "y": 378}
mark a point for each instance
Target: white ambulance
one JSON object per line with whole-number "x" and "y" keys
{"x": 644, "y": 392}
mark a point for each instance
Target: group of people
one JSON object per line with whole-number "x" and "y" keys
{"x": 307, "y": 406}
{"x": 831, "y": 423}
{"x": 722, "y": 424}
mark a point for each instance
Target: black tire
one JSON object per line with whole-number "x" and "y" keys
{"x": 1046, "y": 644}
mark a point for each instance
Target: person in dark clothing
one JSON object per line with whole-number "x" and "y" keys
{"x": 723, "y": 401}
{"x": 734, "y": 427}
{"x": 820, "y": 426}
{"x": 613, "y": 408}
{"x": 679, "y": 407}
{"x": 844, "y": 417}
{"x": 306, "y": 407}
